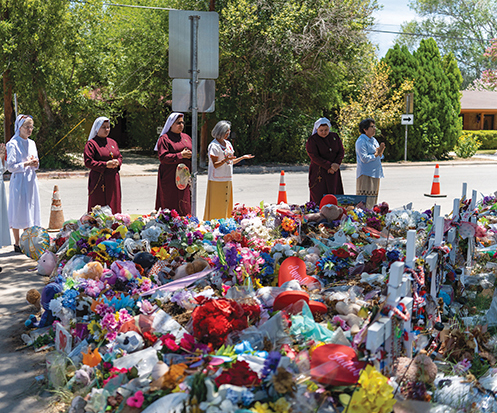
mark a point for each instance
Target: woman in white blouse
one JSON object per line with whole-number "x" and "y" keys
{"x": 219, "y": 198}
{"x": 22, "y": 161}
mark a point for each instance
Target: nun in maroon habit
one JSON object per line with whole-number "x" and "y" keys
{"x": 326, "y": 152}
{"x": 104, "y": 160}
{"x": 174, "y": 147}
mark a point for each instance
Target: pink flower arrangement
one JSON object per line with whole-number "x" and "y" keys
{"x": 136, "y": 400}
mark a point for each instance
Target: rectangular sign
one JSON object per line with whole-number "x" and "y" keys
{"x": 206, "y": 95}
{"x": 180, "y": 51}
{"x": 407, "y": 119}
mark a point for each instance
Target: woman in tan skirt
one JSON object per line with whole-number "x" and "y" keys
{"x": 369, "y": 170}
{"x": 219, "y": 198}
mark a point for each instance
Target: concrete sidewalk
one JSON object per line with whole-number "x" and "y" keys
{"x": 135, "y": 164}
{"x": 20, "y": 392}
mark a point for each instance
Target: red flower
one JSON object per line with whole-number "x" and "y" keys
{"x": 214, "y": 319}
{"x": 378, "y": 256}
{"x": 239, "y": 374}
{"x": 340, "y": 253}
{"x": 150, "y": 337}
{"x": 174, "y": 214}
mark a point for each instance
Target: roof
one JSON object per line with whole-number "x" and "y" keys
{"x": 478, "y": 99}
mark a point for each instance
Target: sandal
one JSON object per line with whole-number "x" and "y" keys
{"x": 17, "y": 248}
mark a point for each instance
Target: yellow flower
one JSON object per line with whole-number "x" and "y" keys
{"x": 281, "y": 405}
{"x": 162, "y": 254}
{"x": 93, "y": 327}
{"x": 92, "y": 241}
{"x": 374, "y": 395}
{"x": 261, "y": 408}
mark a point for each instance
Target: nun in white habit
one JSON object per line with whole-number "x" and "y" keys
{"x": 22, "y": 162}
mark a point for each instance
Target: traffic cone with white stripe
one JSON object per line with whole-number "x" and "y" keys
{"x": 282, "y": 191}
{"x": 56, "y": 214}
{"x": 435, "y": 187}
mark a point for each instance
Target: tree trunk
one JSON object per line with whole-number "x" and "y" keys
{"x": 8, "y": 110}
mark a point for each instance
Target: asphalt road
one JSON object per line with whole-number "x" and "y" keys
{"x": 402, "y": 184}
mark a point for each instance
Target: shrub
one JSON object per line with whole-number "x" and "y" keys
{"x": 488, "y": 138}
{"x": 467, "y": 145}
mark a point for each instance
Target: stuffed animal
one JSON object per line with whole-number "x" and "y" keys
{"x": 93, "y": 270}
{"x": 191, "y": 268}
{"x": 47, "y": 263}
{"x": 327, "y": 213}
{"x": 129, "y": 342}
{"x": 47, "y": 295}
{"x": 33, "y": 297}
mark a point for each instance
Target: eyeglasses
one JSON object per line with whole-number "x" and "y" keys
{"x": 28, "y": 127}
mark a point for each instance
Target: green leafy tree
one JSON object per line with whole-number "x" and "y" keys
{"x": 436, "y": 103}
{"x": 379, "y": 101}
{"x": 41, "y": 52}
{"x": 403, "y": 66}
{"x": 285, "y": 63}
{"x": 463, "y": 27}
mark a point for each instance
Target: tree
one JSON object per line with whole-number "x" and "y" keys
{"x": 436, "y": 103}
{"x": 462, "y": 27}
{"x": 41, "y": 41}
{"x": 488, "y": 78}
{"x": 282, "y": 64}
{"x": 403, "y": 66}
{"x": 379, "y": 101}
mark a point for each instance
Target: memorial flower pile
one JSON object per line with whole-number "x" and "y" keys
{"x": 269, "y": 311}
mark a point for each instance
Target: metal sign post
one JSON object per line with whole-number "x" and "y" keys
{"x": 193, "y": 56}
{"x": 407, "y": 119}
{"x": 194, "y": 83}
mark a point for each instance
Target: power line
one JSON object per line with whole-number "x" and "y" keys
{"x": 125, "y": 5}
{"x": 442, "y": 36}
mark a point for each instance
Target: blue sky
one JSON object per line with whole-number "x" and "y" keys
{"x": 393, "y": 14}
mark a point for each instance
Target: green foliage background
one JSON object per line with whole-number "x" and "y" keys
{"x": 283, "y": 64}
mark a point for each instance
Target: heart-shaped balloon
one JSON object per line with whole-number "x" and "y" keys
{"x": 293, "y": 268}
{"x": 336, "y": 364}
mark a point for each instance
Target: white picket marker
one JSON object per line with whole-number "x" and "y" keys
{"x": 451, "y": 239}
{"x": 411, "y": 248}
{"x": 432, "y": 261}
{"x": 472, "y": 206}
{"x": 455, "y": 209}
{"x": 436, "y": 212}
{"x": 439, "y": 231}
{"x": 464, "y": 191}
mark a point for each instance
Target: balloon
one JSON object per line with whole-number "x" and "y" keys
{"x": 34, "y": 242}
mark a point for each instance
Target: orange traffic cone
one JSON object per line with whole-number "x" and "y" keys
{"x": 56, "y": 214}
{"x": 435, "y": 187}
{"x": 282, "y": 191}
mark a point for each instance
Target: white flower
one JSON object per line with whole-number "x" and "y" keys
{"x": 289, "y": 253}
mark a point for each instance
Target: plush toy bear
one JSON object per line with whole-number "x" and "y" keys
{"x": 191, "y": 268}
{"x": 93, "y": 270}
{"x": 47, "y": 318}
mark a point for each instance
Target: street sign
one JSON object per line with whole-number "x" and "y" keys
{"x": 182, "y": 99}
{"x": 407, "y": 119}
{"x": 180, "y": 52}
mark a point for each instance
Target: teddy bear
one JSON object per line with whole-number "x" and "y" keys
{"x": 93, "y": 270}
{"x": 43, "y": 300}
{"x": 190, "y": 268}
{"x": 327, "y": 213}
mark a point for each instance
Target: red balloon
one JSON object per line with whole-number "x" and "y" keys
{"x": 293, "y": 268}
{"x": 336, "y": 365}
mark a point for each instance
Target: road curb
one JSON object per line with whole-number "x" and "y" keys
{"x": 256, "y": 169}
